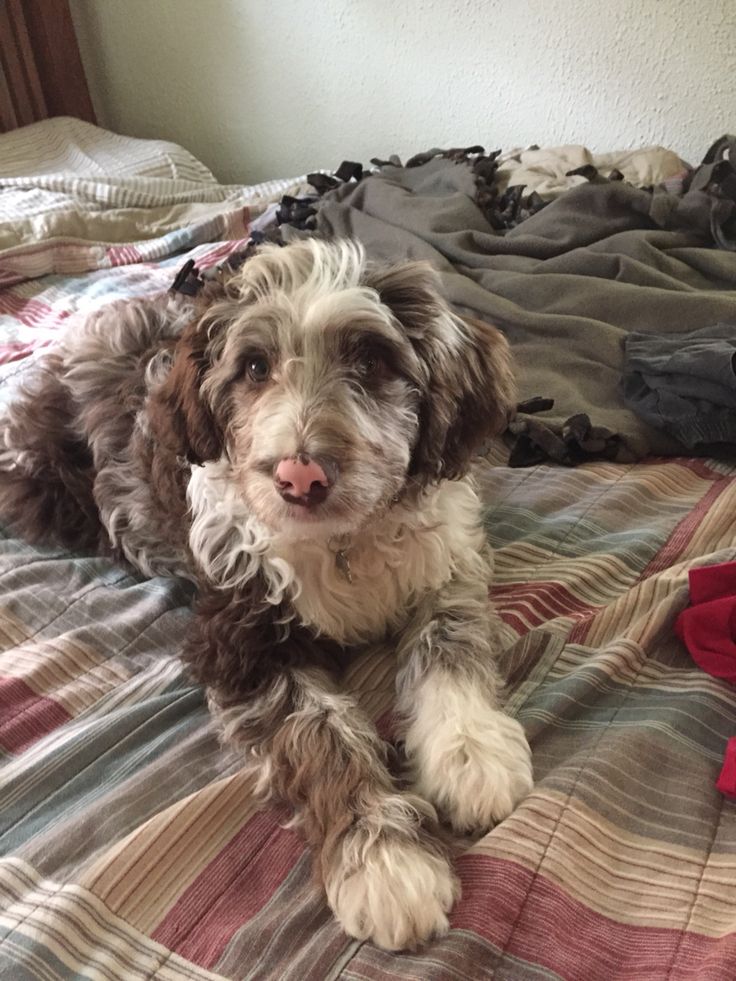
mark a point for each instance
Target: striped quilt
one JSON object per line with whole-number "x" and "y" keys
{"x": 131, "y": 847}
{"x": 87, "y": 216}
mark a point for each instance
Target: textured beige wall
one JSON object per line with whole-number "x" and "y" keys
{"x": 269, "y": 88}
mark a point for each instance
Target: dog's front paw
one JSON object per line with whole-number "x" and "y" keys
{"x": 393, "y": 890}
{"x": 474, "y": 768}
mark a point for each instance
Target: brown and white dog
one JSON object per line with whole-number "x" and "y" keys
{"x": 297, "y": 441}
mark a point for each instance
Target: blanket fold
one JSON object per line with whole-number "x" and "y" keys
{"x": 75, "y": 198}
{"x": 567, "y": 285}
{"x": 685, "y": 384}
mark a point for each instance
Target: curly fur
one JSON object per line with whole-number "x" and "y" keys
{"x": 148, "y": 432}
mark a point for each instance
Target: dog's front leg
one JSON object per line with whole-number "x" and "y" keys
{"x": 386, "y": 878}
{"x": 467, "y": 757}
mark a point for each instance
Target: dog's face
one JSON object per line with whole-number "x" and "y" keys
{"x": 330, "y": 385}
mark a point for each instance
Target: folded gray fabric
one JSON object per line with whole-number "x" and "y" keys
{"x": 566, "y": 286}
{"x": 684, "y": 384}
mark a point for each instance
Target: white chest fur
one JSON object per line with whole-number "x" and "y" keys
{"x": 404, "y": 554}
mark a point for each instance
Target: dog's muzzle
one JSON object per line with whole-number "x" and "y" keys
{"x": 303, "y": 480}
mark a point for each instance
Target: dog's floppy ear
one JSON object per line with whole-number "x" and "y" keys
{"x": 180, "y": 418}
{"x": 468, "y": 390}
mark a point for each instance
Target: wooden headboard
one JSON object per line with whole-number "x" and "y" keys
{"x": 41, "y": 72}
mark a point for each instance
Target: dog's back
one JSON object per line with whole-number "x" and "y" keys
{"x": 70, "y": 425}
{"x": 46, "y": 487}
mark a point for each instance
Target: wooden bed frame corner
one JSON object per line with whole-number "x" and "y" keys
{"x": 41, "y": 72}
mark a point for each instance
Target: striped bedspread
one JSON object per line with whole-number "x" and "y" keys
{"x": 87, "y": 216}
{"x": 132, "y": 849}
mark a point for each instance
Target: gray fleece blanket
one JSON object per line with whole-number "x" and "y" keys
{"x": 566, "y": 286}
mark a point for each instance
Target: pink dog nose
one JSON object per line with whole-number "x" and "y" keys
{"x": 301, "y": 480}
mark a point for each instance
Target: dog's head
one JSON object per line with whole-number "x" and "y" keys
{"x": 330, "y": 385}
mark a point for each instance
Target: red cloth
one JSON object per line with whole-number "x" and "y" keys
{"x": 726, "y": 782}
{"x": 708, "y": 629}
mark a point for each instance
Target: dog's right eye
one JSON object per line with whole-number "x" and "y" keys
{"x": 257, "y": 368}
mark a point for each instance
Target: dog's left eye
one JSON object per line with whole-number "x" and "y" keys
{"x": 369, "y": 365}
{"x": 258, "y": 368}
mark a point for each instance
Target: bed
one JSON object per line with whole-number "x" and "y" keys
{"x": 131, "y": 845}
